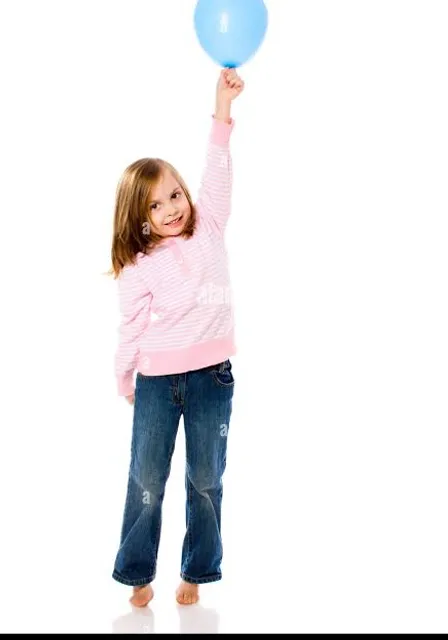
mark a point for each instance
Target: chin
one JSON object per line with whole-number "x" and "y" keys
{"x": 174, "y": 231}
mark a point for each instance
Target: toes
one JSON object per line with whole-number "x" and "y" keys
{"x": 187, "y": 595}
{"x": 141, "y": 596}
{"x": 183, "y": 597}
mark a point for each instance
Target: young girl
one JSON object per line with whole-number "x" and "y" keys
{"x": 176, "y": 332}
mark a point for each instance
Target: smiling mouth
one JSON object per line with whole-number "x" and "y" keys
{"x": 174, "y": 221}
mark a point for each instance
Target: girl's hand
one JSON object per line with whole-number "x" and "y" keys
{"x": 229, "y": 86}
{"x": 130, "y": 398}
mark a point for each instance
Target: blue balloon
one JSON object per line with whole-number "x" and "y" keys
{"x": 230, "y": 31}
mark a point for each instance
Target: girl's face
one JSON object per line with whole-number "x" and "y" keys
{"x": 169, "y": 208}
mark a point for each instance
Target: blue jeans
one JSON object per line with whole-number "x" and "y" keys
{"x": 204, "y": 398}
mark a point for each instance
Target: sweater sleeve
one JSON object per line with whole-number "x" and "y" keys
{"x": 215, "y": 191}
{"x": 134, "y": 305}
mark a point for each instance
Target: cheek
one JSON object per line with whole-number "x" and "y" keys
{"x": 185, "y": 206}
{"x": 157, "y": 217}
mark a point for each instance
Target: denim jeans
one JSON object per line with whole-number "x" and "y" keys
{"x": 204, "y": 398}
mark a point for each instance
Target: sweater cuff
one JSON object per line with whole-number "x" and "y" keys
{"x": 221, "y": 131}
{"x": 125, "y": 384}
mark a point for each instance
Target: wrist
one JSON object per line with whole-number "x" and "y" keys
{"x": 222, "y": 110}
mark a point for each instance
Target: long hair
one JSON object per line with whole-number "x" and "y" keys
{"x": 132, "y": 229}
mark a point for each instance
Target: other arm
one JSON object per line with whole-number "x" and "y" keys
{"x": 134, "y": 303}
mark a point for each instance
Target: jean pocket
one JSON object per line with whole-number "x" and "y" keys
{"x": 222, "y": 374}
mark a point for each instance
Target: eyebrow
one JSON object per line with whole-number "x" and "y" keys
{"x": 173, "y": 191}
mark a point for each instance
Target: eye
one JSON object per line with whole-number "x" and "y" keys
{"x": 177, "y": 194}
{"x": 153, "y": 206}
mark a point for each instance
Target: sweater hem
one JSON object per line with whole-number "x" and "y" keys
{"x": 192, "y": 358}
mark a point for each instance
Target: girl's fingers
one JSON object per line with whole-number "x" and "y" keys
{"x": 232, "y": 74}
{"x": 232, "y": 79}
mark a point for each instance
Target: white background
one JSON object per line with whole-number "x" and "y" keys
{"x": 335, "y": 494}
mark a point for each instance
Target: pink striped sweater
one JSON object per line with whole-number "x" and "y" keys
{"x": 176, "y": 303}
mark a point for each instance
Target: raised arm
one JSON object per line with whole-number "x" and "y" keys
{"x": 215, "y": 192}
{"x": 134, "y": 304}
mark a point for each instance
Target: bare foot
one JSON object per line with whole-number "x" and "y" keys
{"x": 187, "y": 593}
{"x": 141, "y": 595}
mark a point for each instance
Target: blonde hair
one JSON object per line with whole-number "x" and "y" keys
{"x": 132, "y": 212}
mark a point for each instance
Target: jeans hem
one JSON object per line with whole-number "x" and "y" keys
{"x": 191, "y": 580}
{"x": 131, "y": 582}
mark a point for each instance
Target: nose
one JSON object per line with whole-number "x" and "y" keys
{"x": 173, "y": 210}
